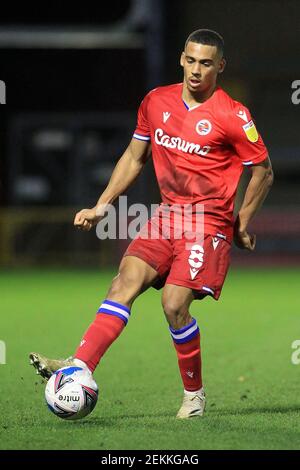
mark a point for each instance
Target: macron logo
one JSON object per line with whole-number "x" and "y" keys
{"x": 193, "y": 273}
{"x": 166, "y": 116}
{"x": 190, "y": 374}
{"x": 215, "y": 242}
{"x": 242, "y": 114}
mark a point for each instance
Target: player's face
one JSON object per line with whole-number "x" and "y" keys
{"x": 201, "y": 66}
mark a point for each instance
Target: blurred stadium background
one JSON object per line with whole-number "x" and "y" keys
{"x": 74, "y": 79}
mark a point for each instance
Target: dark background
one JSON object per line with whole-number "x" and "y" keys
{"x": 71, "y": 111}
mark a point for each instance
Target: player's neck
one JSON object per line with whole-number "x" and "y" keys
{"x": 193, "y": 99}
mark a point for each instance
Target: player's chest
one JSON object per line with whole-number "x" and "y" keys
{"x": 196, "y": 126}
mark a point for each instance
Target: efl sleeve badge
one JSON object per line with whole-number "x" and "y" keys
{"x": 250, "y": 131}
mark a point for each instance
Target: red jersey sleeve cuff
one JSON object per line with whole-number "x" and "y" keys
{"x": 257, "y": 159}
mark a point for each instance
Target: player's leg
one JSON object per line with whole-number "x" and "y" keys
{"x": 200, "y": 268}
{"x": 185, "y": 333}
{"x": 146, "y": 260}
{"x": 133, "y": 278}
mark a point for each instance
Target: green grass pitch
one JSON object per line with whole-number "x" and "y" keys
{"x": 252, "y": 387}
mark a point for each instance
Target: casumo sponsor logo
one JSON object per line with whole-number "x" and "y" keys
{"x": 177, "y": 142}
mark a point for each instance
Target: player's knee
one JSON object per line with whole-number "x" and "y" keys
{"x": 176, "y": 313}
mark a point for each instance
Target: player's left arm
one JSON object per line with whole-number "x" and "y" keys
{"x": 252, "y": 152}
{"x": 256, "y": 192}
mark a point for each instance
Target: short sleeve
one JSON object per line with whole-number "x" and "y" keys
{"x": 244, "y": 137}
{"x": 142, "y": 130}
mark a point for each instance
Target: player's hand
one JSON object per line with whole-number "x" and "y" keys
{"x": 244, "y": 240}
{"x": 86, "y": 219}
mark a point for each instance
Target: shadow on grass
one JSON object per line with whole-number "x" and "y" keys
{"x": 141, "y": 419}
{"x": 255, "y": 410}
{"x": 112, "y": 420}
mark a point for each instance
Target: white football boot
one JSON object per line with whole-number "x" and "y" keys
{"x": 193, "y": 404}
{"x": 46, "y": 367}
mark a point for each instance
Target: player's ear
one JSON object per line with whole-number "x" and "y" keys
{"x": 222, "y": 65}
{"x": 182, "y": 59}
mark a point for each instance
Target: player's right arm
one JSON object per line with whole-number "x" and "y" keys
{"x": 125, "y": 172}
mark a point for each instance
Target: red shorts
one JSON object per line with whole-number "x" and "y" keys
{"x": 200, "y": 263}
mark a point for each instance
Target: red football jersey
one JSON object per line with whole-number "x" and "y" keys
{"x": 199, "y": 152}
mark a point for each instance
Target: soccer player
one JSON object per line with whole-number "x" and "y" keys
{"x": 200, "y": 139}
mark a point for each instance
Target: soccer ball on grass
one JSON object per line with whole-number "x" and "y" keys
{"x": 71, "y": 393}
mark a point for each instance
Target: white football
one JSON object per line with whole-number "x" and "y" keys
{"x": 71, "y": 393}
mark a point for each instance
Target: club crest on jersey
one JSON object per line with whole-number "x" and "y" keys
{"x": 250, "y": 131}
{"x": 203, "y": 127}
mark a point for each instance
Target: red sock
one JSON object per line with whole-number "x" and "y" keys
{"x": 187, "y": 345}
{"x": 107, "y": 326}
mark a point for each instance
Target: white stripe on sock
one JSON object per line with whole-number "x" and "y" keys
{"x": 115, "y": 309}
{"x": 186, "y": 333}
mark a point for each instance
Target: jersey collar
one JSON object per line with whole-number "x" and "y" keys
{"x": 197, "y": 105}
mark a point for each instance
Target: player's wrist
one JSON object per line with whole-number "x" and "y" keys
{"x": 101, "y": 208}
{"x": 241, "y": 230}
{"x": 241, "y": 224}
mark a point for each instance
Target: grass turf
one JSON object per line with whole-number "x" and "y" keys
{"x": 252, "y": 387}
